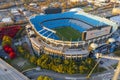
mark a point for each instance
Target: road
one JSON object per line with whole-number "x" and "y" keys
{"x": 107, "y": 75}
{"x": 57, "y": 76}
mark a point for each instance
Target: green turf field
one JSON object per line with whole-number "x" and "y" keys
{"x": 68, "y": 34}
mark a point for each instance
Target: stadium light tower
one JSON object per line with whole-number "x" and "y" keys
{"x": 116, "y": 74}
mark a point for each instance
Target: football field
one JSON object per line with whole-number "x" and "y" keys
{"x": 68, "y": 34}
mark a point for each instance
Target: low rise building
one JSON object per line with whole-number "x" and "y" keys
{"x": 116, "y": 19}
{"x": 8, "y": 19}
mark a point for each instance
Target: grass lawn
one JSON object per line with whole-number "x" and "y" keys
{"x": 68, "y": 34}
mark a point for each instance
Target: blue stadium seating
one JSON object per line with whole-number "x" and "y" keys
{"x": 46, "y": 34}
{"x": 56, "y": 23}
{"x": 54, "y": 36}
{"x": 89, "y": 20}
{"x": 77, "y": 27}
{"x": 42, "y": 31}
{"x": 53, "y": 21}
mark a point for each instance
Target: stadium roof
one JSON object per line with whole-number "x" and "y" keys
{"x": 7, "y": 72}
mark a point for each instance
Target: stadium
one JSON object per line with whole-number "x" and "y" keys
{"x": 68, "y": 34}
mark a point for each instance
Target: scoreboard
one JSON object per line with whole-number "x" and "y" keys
{"x": 97, "y": 32}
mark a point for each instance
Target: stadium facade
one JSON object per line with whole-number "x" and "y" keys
{"x": 51, "y": 39}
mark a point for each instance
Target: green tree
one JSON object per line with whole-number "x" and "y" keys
{"x": 82, "y": 69}
{"x": 27, "y": 55}
{"x": 44, "y": 78}
{"x": 6, "y": 41}
{"x": 20, "y": 49}
{"x": 39, "y": 61}
{"x": 33, "y": 59}
{"x": 40, "y": 78}
{"x": 60, "y": 68}
{"x": 51, "y": 65}
{"x": 89, "y": 61}
{"x": 44, "y": 64}
{"x": 66, "y": 62}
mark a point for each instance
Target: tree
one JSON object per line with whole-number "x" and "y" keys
{"x": 56, "y": 61}
{"x": 65, "y": 67}
{"x": 82, "y": 69}
{"x": 7, "y": 38}
{"x": 33, "y": 59}
{"x": 60, "y": 68}
{"x": 40, "y": 78}
{"x": 88, "y": 60}
{"x": 39, "y": 61}
{"x": 51, "y": 65}
{"x": 69, "y": 69}
{"x": 44, "y": 78}
{"x": 27, "y": 55}
{"x": 44, "y": 64}
{"x": 6, "y": 41}
{"x": 66, "y": 62}
{"x": 20, "y": 50}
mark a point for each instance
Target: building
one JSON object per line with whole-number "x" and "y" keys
{"x": 7, "y": 72}
{"x": 115, "y": 1}
{"x": 93, "y": 29}
{"x": 116, "y": 11}
{"x": 76, "y": 9}
{"x": 77, "y": 0}
{"x": 7, "y": 20}
{"x": 74, "y": 0}
{"x": 52, "y": 10}
{"x": 9, "y": 30}
{"x": 116, "y": 19}
{"x": 33, "y": 5}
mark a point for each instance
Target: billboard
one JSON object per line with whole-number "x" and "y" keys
{"x": 98, "y": 32}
